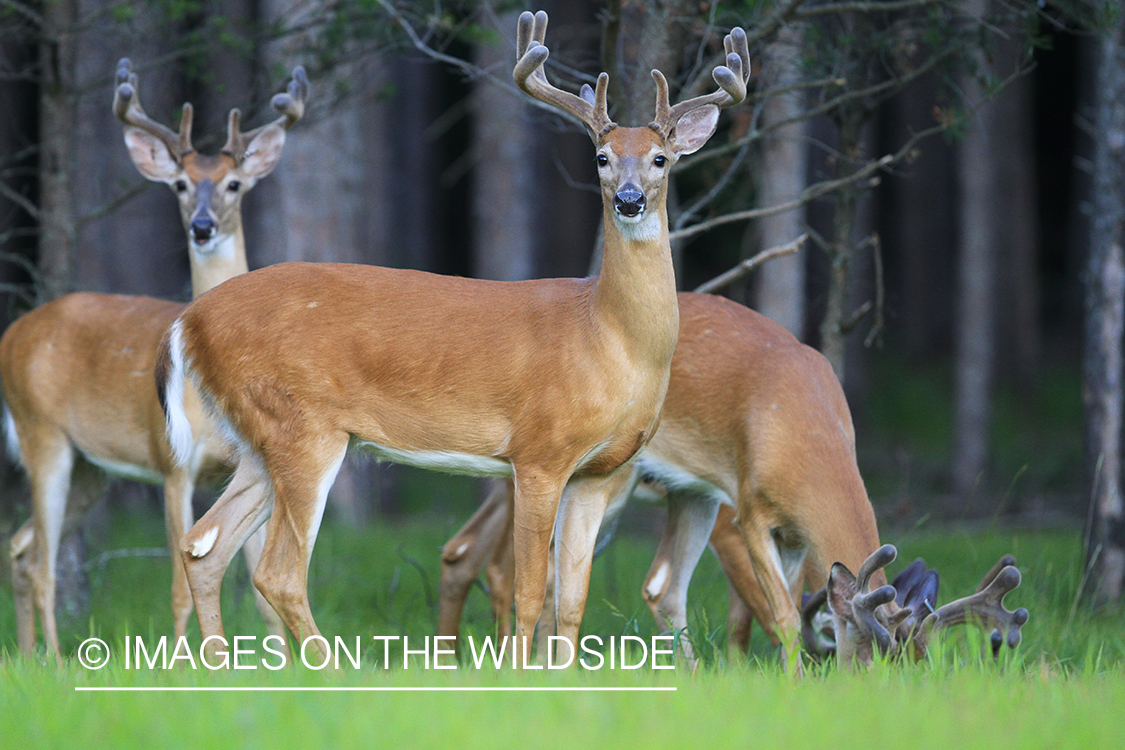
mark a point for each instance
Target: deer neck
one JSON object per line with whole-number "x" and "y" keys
{"x": 636, "y": 288}
{"x": 213, "y": 262}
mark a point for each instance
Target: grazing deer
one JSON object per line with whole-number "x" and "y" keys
{"x": 79, "y": 394}
{"x": 548, "y": 381}
{"x": 899, "y": 619}
{"x": 752, "y": 419}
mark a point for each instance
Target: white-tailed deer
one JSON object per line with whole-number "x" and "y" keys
{"x": 547, "y": 381}
{"x": 899, "y": 619}
{"x": 79, "y": 394}
{"x": 752, "y": 419}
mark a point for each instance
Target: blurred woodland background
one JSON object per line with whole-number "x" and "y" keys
{"x": 958, "y": 165}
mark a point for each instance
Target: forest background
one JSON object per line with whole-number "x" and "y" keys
{"x": 957, "y": 166}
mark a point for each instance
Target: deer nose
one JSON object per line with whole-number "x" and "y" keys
{"x": 629, "y": 200}
{"x": 202, "y": 227}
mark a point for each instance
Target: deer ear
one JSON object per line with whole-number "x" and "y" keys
{"x": 264, "y": 152}
{"x": 694, "y": 129}
{"x": 150, "y": 156}
{"x": 841, "y": 589}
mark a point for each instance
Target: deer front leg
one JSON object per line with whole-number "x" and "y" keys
{"x": 23, "y": 551}
{"x": 580, "y": 516}
{"x": 536, "y": 504}
{"x": 746, "y": 600}
{"x": 773, "y": 578}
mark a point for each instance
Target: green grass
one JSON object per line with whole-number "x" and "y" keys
{"x": 1062, "y": 687}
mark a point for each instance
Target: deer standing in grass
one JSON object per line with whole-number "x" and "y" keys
{"x": 80, "y": 400}
{"x": 548, "y": 381}
{"x": 754, "y": 424}
{"x": 753, "y": 420}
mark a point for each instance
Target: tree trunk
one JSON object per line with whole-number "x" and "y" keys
{"x": 1105, "y": 326}
{"x": 975, "y": 340}
{"x": 833, "y": 329}
{"x": 780, "y": 292}
{"x": 58, "y": 127}
{"x": 58, "y": 130}
{"x": 504, "y": 173}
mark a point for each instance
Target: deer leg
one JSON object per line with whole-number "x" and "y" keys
{"x": 581, "y": 512}
{"x": 252, "y": 554}
{"x": 690, "y": 520}
{"x": 301, "y": 491}
{"x": 24, "y": 563}
{"x": 207, "y": 549}
{"x": 501, "y": 571}
{"x": 49, "y": 473}
{"x": 773, "y": 578}
{"x": 536, "y": 504}
{"x": 178, "y": 518}
{"x": 747, "y": 602}
{"x": 468, "y": 552}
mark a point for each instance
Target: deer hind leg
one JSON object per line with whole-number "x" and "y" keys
{"x": 252, "y": 554}
{"x": 49, "y": 463}
{"x": 207, "y": 549}
{"x": 691, "y": 517}
{"x": 469, "y": 551}
{"x": 301, "y": 491}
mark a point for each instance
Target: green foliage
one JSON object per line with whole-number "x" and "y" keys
{"x": 382, "y": 580}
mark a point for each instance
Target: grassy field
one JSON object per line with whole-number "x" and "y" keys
{"x": 1062, "y": 688}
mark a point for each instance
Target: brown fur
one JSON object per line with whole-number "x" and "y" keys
{"x": 755, "y": 413}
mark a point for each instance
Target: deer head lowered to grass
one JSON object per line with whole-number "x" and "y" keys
{"x": 901, "y": 618}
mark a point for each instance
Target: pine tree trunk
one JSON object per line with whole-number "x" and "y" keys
{"x": 1105, "y": 326}
{"x": 58, "y": 129}
{"x": 780, "y": 292}
{"x": 979, "y": 211}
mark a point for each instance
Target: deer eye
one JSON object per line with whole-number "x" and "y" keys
{"x": 660, "y": 161}
{"x": 180, "y": 186}
{"x": 234, "y": 186}
{"x": 602, "y": 160}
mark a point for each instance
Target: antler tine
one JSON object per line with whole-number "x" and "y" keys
{"x": 864, "y": 603}
{"x": 127, "y": 107}
{"x": 290, "y": 104}
{"x": 990, "y": 576}
{"x": 731, "y": 78}
{"x": 531, "y": 55}
{"x": 985, "y": 607}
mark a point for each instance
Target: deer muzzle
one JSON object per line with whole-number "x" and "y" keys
{"x": 629, "y": 200}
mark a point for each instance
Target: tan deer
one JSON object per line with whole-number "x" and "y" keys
{"x": 753, "y": 420}
{"x": 79, "y": 394}
{"x": 546, "y": 381}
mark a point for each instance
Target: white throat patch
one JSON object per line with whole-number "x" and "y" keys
{"x": 642, "y": 228}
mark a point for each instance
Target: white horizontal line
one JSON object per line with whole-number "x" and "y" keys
{"x": 471, "y": 689}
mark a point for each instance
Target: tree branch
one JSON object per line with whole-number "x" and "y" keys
{"x": 747, "y": 267}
